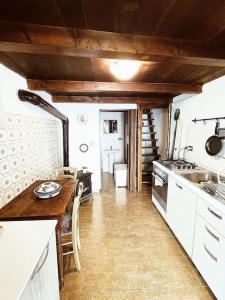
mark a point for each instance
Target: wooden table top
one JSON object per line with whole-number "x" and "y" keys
{"x": 27, "y": 206}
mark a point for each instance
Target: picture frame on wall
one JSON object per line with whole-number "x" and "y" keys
{"x": 110, "y": 126}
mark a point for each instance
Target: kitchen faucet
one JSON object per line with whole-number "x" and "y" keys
{"x": 189, "y": 148}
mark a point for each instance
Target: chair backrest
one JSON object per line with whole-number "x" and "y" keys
{"x": 75, "y": 211}
{"x": 80, "y": 189}
{"x": 66, "y": 173}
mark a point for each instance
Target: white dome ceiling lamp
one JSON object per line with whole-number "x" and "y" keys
{"x": 124, "y": 69}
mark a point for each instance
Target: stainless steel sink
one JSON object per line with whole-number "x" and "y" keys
{"x": 200, "y": 177}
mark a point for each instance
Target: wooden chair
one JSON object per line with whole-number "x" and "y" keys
{"x": 66, "y": 173}
{"x": 72, "y": 237}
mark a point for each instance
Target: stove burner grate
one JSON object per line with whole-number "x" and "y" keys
{"x": 178, "y": 164}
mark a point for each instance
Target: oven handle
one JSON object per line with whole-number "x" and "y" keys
{"x": 159, "y": 178}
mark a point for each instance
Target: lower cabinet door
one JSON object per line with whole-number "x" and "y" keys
{"x": 181, "y": 212}
{"x": 209, "y": 256}
{"x": 43, "y": 284}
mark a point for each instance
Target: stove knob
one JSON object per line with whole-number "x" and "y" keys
{"x": 188, "y": 167}
{"x": 178, "y": 167}
{"x": 183, "y": 167}
{"x": 194, "y": 166}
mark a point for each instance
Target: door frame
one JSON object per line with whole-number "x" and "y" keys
{"x": 130, "y": 136}
{"x": 139, "y": 150}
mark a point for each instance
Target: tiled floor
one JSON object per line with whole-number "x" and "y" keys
{"x": 128, "y": 252}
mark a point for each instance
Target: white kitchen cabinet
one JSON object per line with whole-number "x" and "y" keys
{"x": 181, "y": 211}
{"x": 43, "y": 284}
{"x": 209, "y": 256}
{"x": 214, "y": 216}
{"x": 28, "y": 260}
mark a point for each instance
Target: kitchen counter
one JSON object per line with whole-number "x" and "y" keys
{"x": 197, "y": 219}
{"x": 21, "y": 246}
{"x": 192, "y": 186}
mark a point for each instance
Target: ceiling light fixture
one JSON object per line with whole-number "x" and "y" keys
{"x": 124, "y": 69}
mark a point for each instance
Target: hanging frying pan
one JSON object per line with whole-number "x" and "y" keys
{"x": 176, "y": 117}
{"x": 214, "y": 144}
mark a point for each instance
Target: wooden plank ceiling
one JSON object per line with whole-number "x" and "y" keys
{"x": 181, "y": 44}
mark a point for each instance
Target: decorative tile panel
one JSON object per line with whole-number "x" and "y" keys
{"x": 30, "y": 149}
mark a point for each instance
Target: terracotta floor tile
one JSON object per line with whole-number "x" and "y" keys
{"x": 129, "y": 252}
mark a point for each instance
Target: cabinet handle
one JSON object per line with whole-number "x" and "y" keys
{"x": 215, "y": 214}
{"x": 180, "y": 187}
{"x": 210, "y": 254}
{"x": 38, "y": 268}
{"x": 212, "y": 234}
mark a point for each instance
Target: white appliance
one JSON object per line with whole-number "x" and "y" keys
{"x": 120, "y": 175}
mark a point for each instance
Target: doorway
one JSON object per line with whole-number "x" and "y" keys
{"x": 118, "y": 146}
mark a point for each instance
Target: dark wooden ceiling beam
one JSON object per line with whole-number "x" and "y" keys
{"x": 54, "y": 86}
{"x": 50, "y": 40}
{"x": 94, "y": 99}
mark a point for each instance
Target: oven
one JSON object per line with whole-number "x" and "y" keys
{"x": 159, "y": 188}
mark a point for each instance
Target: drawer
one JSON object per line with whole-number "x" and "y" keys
{"x": 209, "y": 256}
{"x": 213, "y": 216}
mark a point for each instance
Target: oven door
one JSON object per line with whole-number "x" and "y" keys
{"x": 160, "y": 187}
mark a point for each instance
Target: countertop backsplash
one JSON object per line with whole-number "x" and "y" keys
{"x": 30, "y": 149}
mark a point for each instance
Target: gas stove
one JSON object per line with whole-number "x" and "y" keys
{"x": 178, "y": 165}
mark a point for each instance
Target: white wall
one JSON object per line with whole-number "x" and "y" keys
{"x": 30, "y": 139}
{"x": 10, "y": 83}
{"x": 210, "y": 103}
{"x": 114, "y": 140}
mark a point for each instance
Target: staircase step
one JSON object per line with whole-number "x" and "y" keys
{"x": 149, "y": 162}
{"x": 150, "y": 147}
{"x": 147, "y": 177}
{"x": 149, "y": 154}
{"x": 151, "y": 126}
{"x": 149, "y": 119}
{"x": 151, "y": 133}
{"x": 147, "y": 113}
{"x": 156, "y": 156}
{"x": 147, "y": 182}
{"x": 152, "y": 140}
{"x": 146, "y": 172}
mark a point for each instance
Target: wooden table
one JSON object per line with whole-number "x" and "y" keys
{"x": 27, "y": 207}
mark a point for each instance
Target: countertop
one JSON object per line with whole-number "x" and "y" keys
{"x": 21, "y": 246}
{"x": 192, "y": 186}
